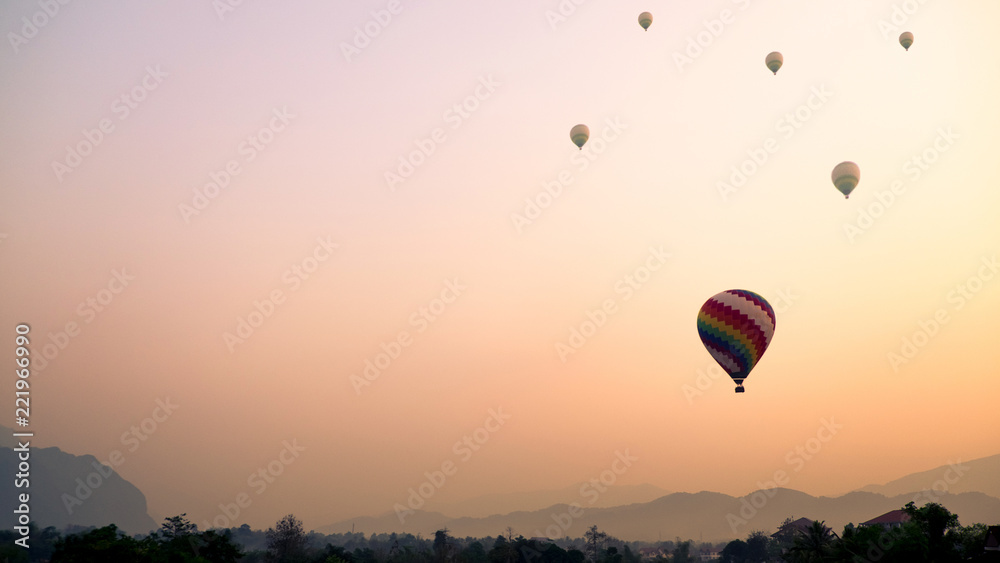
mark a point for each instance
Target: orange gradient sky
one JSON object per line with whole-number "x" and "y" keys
{"x": 329, "y": 123}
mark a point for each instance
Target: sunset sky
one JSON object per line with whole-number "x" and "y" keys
{"x": 393, "y": 182}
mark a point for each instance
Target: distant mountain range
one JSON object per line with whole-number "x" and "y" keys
{"x": 503, "y": 503}
{"x": 66, "y": 489}
{"x": 707, "y": 516}
{"x": 980, "y": 476}
{"x": 964, "y": 488}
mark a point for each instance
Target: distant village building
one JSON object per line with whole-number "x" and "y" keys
{"x": 650, "y": 553}
{"x": 889, "y": 520}
{"x": 711, "y": 554}
{"x": 991, "y": 547}
{"x": 992, "y": 539}
{"x": 800, "y": 526}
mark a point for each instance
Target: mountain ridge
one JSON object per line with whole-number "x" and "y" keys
{"x": 706, "y": 515}
{"x": 977, "y": 475}
{"x": 66, "y": 489}
{"x": 504, "y": 503}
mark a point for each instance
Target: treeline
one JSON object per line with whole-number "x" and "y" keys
{"x": 180, "y": 541}
{"x": 933, "y": 534}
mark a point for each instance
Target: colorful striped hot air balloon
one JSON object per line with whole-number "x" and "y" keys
{"x": 736, "y": 326}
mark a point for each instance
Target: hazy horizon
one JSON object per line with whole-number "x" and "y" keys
{"x": 352, "y": 247}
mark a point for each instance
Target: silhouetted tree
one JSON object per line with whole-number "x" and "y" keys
{"x": 682, "y": 553}
{"x": 782, "y": 540}
{"x": 11, "y": 552}
{"x": 338, "y": 553}
{"x": 629, "y": 556}
{"x": 968, "y": 540}
{"x": 177, "y": 527}
{"x": 101, "y": 545}
{"x": 368, "y": 555}
{"x": 216, "y": 547}
{"x": 442, "y": 547}
{"x": 734, "y": 552}
{"x": 935, "y": 521}
{"x": 286, "y": 542}
{"x": 903, "y": 544}
{"x": 177, "y": 539}
{"x": 574, "y": 555}
{"x": 757, "y": 547}
{"x": 502, "y": 551}
{"x": 41, "y": 544}
{"x": 473, "y": 553}
{"x": 594, "y": 542}
{"x": 815, "y": 545}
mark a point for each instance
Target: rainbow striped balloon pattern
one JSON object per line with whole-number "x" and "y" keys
{"x": 736, "y": 326}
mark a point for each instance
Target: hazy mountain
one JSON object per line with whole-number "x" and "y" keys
{"x": 705, "y": 515}
{"x": 488, "y": 505}
{"x": 69, "y": 489}
{"x": 979, "y": 475}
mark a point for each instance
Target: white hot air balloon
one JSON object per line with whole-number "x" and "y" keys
{"x": 645, "y": 20}
{"x": 774, "y": 61}
{"x": 579, "y": 135}
{"x": 906, "y": 39}
{"x": 846, "y": 176}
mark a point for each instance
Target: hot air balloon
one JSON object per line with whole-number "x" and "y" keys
{"x": 846, "y": 176}
{"x": 773, "y": 61}
{"x": 906, "y": 39}
{"x": 579, "y": 134}
{"x": 736, "y": 326}
{"x": 645, "y": 20}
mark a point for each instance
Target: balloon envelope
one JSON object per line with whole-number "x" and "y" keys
{"x": 579, "y": 134}
{"x": 906, "y": 39}
{"x": 645, "y": 20}
{"x": 846, "y": 176}
{"x": 773, "y": 61}
{"x": 736, "y": 326}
